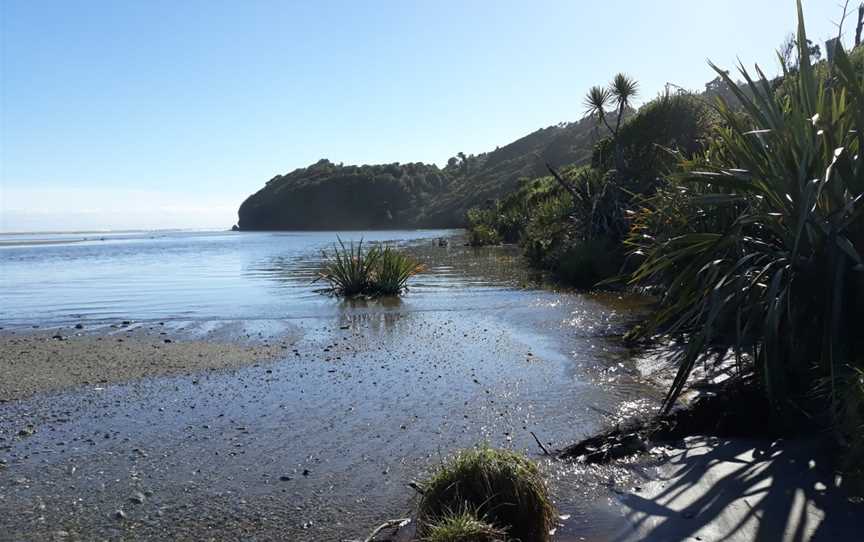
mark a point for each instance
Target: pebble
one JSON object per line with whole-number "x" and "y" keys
{"x": 137, "y": 498}
{"x": 119, "y": 514}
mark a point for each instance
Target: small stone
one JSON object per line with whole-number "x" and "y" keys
{"x": 306, "y": 472}
{"x": 119, "y": 514}
{"x": 285, "y": 478}
{"x": 79, "y": 326}
{"x": 137, "y": 498}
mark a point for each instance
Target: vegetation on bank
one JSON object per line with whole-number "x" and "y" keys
{"x": 574, "y": 221}
{"x": 377, "y": 271}
{"x": 744, "y": 214}
{"x": 489, "y": 491}
{"x": 757, "y": 244}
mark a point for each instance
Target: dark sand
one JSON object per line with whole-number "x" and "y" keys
{"x": 115, "y": 434}
{"x": 310, "y": 441}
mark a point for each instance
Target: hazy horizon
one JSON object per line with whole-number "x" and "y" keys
{"x": 120, "y": 116}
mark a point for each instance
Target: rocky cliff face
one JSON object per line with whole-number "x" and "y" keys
{"x": 328, "y": 196}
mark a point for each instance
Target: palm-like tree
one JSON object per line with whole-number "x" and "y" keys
{"x": 623, "y": 89}
{"x": 596, "y": 102}
{"x": 621, "y": 92}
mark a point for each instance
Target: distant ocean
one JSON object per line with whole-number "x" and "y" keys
{"x": 58, "y": 278}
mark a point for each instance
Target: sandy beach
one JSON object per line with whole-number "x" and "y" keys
{"x": 55, "y": 360}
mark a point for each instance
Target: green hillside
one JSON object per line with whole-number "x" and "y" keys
{"x": 326, "y": 195}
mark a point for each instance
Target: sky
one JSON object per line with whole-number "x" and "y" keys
{"x": 169, "y": 113}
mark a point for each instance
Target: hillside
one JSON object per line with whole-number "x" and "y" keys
{"x": 335, "y": 196}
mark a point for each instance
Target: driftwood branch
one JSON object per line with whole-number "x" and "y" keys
{"x": 416, "y": 486}
{"x": 386, "y": 525}
{"x": 842, "y": 20}
{"x": 545, "y": 451}
{"x": 562, "y": 182}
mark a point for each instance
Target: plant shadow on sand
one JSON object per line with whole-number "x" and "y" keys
{"x": 717, "y": 489}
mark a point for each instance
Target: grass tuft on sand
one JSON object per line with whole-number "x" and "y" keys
{"x": 463, "y": 526}
{"x": 502, "y": 487}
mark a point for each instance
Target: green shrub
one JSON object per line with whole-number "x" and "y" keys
{"x": 550, "y": 229}
{"x": 483, "y": 234}
{"x": 652, "y": 141}
{"x": 590, "y": 262}
{"x": 351, "y": 271}
{"x": 505, "y": 488}
{"x": 462, "y": 527}
{"x": 767, "y": 255}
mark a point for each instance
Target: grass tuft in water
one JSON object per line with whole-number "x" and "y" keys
{"x": 391, "y": 272}
{"x": 350, "y": 271}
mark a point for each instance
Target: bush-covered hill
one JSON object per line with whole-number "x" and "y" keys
{"x": 335, "y": 196}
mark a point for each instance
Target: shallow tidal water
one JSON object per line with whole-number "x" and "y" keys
{"x": 321, "y": 443}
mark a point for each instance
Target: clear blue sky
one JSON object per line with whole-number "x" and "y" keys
{"x": 159, "y": 114}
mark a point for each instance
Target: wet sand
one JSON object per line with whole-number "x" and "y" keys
{"x": 65, "y": 358}
{"x": 315, "y": 443}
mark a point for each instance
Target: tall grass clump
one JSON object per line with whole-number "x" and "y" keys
{"x": 463, "y": 526}
{"x": 391, "y": 271}
{"x": 504, "y": 488}
{"x": 350, "y": 271}
{"x": 757, "y": 246}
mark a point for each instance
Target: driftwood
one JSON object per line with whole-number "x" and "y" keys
{"x": 723, "y": 410}
{"x": 398, "y": 523}
{"x": 545, "y": 451}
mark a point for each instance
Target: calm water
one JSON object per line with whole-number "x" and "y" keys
{"x": 56, "y": 279}
{"x": 375, "y": 394}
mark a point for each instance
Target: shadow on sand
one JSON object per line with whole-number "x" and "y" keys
{"x": 744, "y": 490}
